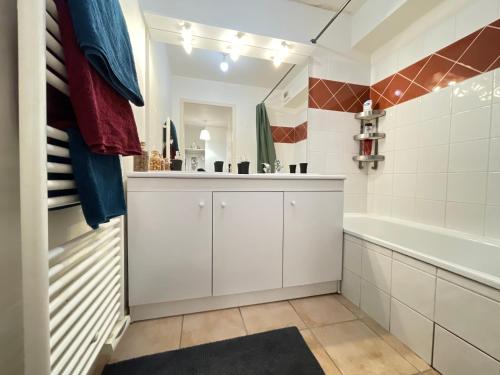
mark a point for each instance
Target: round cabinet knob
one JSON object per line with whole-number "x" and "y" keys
{"x": 201, "y": 204}
{"x": 292, "y": 203}
{"x": 223, "y": 204}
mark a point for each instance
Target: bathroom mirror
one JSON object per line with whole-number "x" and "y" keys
{"x": 213, "y": 97}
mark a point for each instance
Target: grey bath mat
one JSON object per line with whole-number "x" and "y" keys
{"x": 279, "y": 352}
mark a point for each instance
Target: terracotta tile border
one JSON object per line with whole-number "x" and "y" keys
{"x": 288, "y": 134}
{"x": 476, "y": 53}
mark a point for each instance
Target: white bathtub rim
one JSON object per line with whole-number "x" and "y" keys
{"x": 431, "y": 228}
{"x": 481, "y": 277}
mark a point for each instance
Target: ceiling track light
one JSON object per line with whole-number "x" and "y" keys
{"x": 235, "y": 49}
{"x": 224, "y": 66}
{"x": 187, "y": 38}
{"x": 280, "y": 54}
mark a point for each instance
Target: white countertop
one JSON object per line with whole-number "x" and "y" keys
{"x": 224, "y": 175}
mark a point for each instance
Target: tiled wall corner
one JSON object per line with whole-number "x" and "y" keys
{"x": 330, "y": 150}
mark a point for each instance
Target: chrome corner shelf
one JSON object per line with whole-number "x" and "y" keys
{"x": 368, "y": 158}
{"x": 365, "y": 119}
{"x": 362, "y": 137}
{"x": 375, "y": 114}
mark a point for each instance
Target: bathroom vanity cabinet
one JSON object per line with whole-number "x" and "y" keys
{"x": 204, "y": 241}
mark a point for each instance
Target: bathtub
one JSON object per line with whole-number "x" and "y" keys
{"x": 470, "y": 256}
{"x": 435, "y": 289}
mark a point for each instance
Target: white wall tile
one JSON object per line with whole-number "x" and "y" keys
{"x": 436, "y": 104}
{"x": 387, "y": 143}
{"x": 317, "y": 140}
{"x": 355, "y": 183}
{"x": 334, "y": 164}
{"x": 382, "y": 205}
{"x": 467, "y": 187}
{"x": 405, "y": 161}
{"x": 496, "y": 87}
{"x": 434, "y": 132}
{"x": 469, "y": 156}
{"x": 412, "y": 329}
{"x": 389, "y": 121}
{"x": 474, "y": 16}
{"x": 384, "y": 184}
{"x": 403, "y": 208}
{"x": 409, "y": 112}
{"x": 433, "y": 159}
{"x": 317, "y": 162}
{"x": 336, "y": 140}
{"x": 494, "y": 164}
{"x": 406, "y": 137}
{"x": 472, "y": 124}
{"x": 355, "y": 202}
{"x": 431, "y": 186}
{"x": 492, "y": 222}
{"x": 472, "y": 93}
{"x": 430, "y": 212}
{"x": 493, "y": 194}
{"x": 388, "y": 164}
{"x": 404, "y": 185}
{"x": 495, "y": 117}
{"x": 465, "y": 217}
{"x": 351, "y": 286}
{"x": 375, "y": 303}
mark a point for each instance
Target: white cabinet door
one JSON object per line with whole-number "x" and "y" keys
{"x": 313, "y": 237}
{"x": 169, "y": 246}
{"x": 247, "y": 241}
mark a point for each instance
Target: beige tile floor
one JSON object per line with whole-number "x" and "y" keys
{"x": 341, "y": 337}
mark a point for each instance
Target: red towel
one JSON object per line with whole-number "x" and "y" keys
{"x": 104, "y": 117}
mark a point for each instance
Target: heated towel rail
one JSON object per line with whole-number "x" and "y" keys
{"x": 73, "y": 284}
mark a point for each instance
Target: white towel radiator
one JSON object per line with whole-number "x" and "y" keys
{"x": 73, "y": 284}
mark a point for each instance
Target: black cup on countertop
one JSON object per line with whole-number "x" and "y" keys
{"x": 218, "y": 166}
{"x": 243, "y": 167}
{"x": 303, "y": 167}
{"x": 176, "y": 165}
{"x": 293, "y": 168}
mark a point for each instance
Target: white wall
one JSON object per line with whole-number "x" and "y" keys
{"x": 215, "y": 148}
{"x": 138, "y": 39}
{"x": 159, "y": 93}
{"x": 243, "y": 99}
{"x": 11, "y": 312}
{"x": 443, "y": 159}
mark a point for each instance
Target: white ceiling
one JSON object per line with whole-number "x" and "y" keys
{"x": 201, "y": 115}
{"x": 204, "y": 64}
{"x": 333, "y": 5}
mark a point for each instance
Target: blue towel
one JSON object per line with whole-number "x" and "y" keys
{"x": 102, "y": 35}
{"x": 98, "y": 180}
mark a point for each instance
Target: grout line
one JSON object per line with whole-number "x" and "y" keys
{"x": 459, "y": 57}
{"x": 243, "y": 320}
{"x": 296, "y": 312}
{"x": 326, "y": 351}
{"x": 182, "y": 329}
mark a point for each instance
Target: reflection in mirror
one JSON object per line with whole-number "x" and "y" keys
{"x": 215, "y": 89}
{"x": 207, "y": 136}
